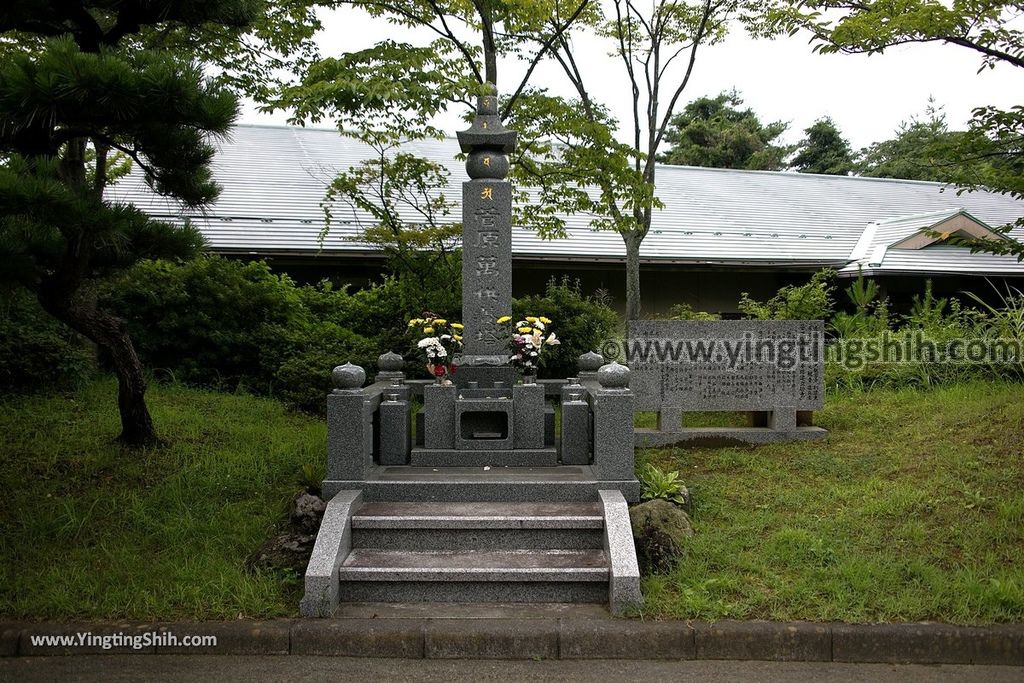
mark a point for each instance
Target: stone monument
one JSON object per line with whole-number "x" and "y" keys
{"x": 773, "y": 369}
{"x": 486, "y": 247}
{"x": 476, "y": 497}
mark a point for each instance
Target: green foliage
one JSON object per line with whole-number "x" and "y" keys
{"x": 686, "y": 312}
{"x": 657, "y": 484}
{"x": 932, "y": 324}
{"x": 37, "y": 351}
{"x": 393, "y": 89}
{"x": 823, "y": 150}
{"x": 855, "y": 27}
{"x": 82, "y": 85}
{"x": 1005, "y": 321}
{"x": 715, "y": 132}
{"x": 583, "y": 323}
{"x": 811, "y": 301}
{"x": 870, "y": 316}
{"x": 563, "y": 155}
{"x": 928, "y": 311}
{"x": 391, "y": 186}
{"x": 919, "y": 151}
{"x": 220, "y": 322}
{"x": 303, "y": 379}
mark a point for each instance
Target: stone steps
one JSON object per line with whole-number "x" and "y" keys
{"x": 476, "y": 552}
{"x": 478, "y": 526}
{"x": 473, "y": 551}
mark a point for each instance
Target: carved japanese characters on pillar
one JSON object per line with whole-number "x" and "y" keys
{"x": 486, "y": 235}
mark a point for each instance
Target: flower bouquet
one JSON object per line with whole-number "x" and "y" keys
{"x": 528, "y": 342}
{"x": 440, "y": 345}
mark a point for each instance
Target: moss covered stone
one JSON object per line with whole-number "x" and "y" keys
{"x": 660, "y": 530}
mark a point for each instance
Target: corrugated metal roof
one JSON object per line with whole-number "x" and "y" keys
{"x": 274, "y": 179}
{"x": 874, "y": 253}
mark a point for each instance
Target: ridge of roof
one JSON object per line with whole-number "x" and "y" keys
{"x": 942, "y": 214}
{"x": 661, "y": 166}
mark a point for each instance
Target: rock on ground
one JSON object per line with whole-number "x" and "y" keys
{"x": 660, "y": 531}
{"x": 290, "y": 550}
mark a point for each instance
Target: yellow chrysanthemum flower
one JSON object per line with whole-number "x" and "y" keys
{"x": 531, "y": 319}
{"x": 524, "y": 330}
{"x": 457, "y": 337}
{"x": 504, "y": 318}
{"x": 544, "y": 320}
{"x": 457, "y": 326}
{"x": 439, "y": 321}
{"x": 428, "y": 330}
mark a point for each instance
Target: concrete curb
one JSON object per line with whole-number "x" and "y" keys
{"x": 548, "y": 638}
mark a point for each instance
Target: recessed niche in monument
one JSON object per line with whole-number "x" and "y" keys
{"x": 483, "y": 424}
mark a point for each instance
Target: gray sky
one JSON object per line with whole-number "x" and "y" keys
{"x": 867, "y": 96}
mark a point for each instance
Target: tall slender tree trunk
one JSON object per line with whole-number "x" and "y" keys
{"x": 110, "y": 334}
{"x": 633, "y": 239}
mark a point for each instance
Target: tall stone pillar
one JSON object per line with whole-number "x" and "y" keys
{"x": 486, "y": 247}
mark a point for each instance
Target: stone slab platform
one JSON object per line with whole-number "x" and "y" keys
{"x": 723, "y": 436}
{"x": 565, "y": 483}
{"x": 443, "y": 457}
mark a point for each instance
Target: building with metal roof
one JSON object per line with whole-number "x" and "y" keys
{"x": 720, "y": 233}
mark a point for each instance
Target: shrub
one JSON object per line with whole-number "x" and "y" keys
{"x": 206, "y": 321}
{"x": 811, "y": 301}
{"x": 220, "y": 322}
{"x": 686, "y": 312}
{"x": 37, "y": 351}
{"x": 582, "y": 322}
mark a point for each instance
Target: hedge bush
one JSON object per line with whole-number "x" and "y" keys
{"x": 232, "y": 324}
{"x": 36, "y": 350}
{"x": 582, "y": 322}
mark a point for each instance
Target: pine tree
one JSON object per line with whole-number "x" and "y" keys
{"x": 715, "y": 132}
{"x": 83, "y": 86}
{"x": 824, "y": 150}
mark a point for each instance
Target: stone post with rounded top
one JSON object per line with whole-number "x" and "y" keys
{"x": 612, "y": 405}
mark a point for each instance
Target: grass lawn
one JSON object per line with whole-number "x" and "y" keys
{"x": 90, "y": 530}
{"x": 913, "y": 509}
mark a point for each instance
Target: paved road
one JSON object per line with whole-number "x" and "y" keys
{"x": 292, "y": 668}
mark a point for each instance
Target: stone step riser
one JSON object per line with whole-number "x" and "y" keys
{"x": 474, "y": 591}
{"x": 477, "y": 539}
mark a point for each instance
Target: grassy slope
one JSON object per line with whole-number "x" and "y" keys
{"x": 91, "y": 530}
{"x": 912, "y": 510}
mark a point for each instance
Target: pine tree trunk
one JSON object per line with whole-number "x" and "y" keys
{"x": 633, "y": 241}
{"x": 110, "y": 334}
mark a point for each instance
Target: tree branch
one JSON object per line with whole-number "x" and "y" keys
{"x": 545, "y": 47}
